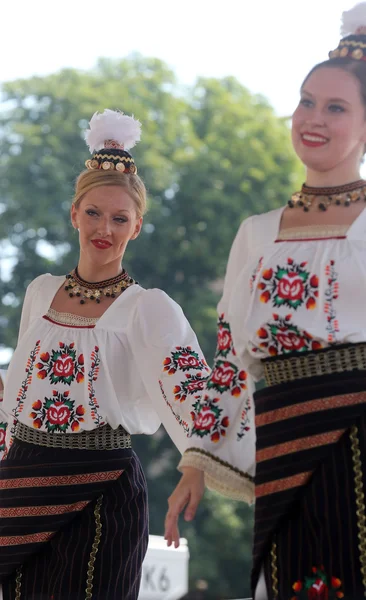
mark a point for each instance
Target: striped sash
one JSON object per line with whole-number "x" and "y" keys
{"x": 43, "y": 489}
{"x": 298, "y": 424}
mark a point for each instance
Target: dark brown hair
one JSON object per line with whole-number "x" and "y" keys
{"x": 350, "y": 65}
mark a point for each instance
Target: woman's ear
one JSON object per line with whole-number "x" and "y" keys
{"x": 74, "y": 217}
{"x": 138, "y": 227}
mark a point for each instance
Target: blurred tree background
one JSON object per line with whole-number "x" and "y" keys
{"x": 210, "y": 155}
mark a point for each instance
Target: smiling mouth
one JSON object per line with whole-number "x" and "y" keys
{"x": 101, "y": 244}
{"x": 312, "y": 140}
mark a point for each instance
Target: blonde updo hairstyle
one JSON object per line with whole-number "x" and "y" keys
{"x": 129, "y": 182}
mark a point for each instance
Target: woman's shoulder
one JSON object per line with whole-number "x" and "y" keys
{"x": 267, "y": 222}
{"x": 157, "y": 301}
{"x": 159, "y": 316}
{"x": 44, "y": 282}
{"x": 258, "y": 229}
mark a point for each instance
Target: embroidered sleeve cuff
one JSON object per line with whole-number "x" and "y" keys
{"x": 220, "y": 476}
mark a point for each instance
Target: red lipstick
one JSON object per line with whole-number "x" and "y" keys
{"x": 313, "y": 140}
{"x": 101, "y": 244}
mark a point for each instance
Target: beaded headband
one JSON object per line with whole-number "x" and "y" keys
{"x": 109, "y": 137}
{"x": 353, "y": 31}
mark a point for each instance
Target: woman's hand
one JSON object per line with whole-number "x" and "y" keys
{"x": 188, "y": 493}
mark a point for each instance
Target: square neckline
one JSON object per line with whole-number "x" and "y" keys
{"x": 349, "y": 234}
{"x": 118, "y": 300}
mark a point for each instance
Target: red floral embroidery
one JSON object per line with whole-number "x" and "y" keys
{"x": 184, "y": 359}
{"x": 207, "y": 414}
{"x": 244, "y": 422}
{"x": 92, "y": 377}
{"x": 193, "y": 385}
{"x": 227, "y": 377}
{"x": 224, "y": 339}
{"x": 181, "y": 422}
{"x": 22, "y": 394}
{"x": 289, "y": 286}
{"x": 317, "y": 587}
{"x": 62, "y": 365}
{"x": 3, "y": 427}
{"x": 254, "y": 274}
{"x": 187, "y": 360}
{"x": 208, "y": 419}
{"x": 57, "y": 413}
{"x": 282, "y": 337}
{"x": 331, "y": 294}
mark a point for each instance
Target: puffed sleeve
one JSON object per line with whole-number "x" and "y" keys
{"x": 24, "y": 323}
{"x": 222, "y": 441}
{"x": 170, "y": 361}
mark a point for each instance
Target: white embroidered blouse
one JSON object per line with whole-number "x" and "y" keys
{"x": 299, "y": 290}
{"x": 137, "y": 366}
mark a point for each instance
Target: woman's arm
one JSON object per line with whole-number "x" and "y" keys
{"x": 222, "y": 443}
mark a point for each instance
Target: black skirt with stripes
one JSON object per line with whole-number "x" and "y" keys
{"x": 310, "y": 515}
{"x": 73, "y": 524}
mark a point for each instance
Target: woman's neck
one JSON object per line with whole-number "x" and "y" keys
{"x": 330, "y": 178}
{"x": 95, "y": 273}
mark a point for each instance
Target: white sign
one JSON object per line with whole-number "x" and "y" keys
{"x": 165, "y": 571}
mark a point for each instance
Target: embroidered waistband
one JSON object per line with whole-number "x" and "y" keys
{"x": 311, "y": 364}
{"x": 102, "y": 438}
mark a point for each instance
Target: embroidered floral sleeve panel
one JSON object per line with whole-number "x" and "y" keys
{"x": 137, "y": 366}
{"x": 173, "y": 368}
{"x": 295, "y": 292}
{"x": 222, "y": 441}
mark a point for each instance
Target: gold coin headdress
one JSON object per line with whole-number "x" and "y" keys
{"x": 353, "y": 32}
{"x": 109, "y": 137}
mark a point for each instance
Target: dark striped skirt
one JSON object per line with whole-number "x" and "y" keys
{"x": 310, "y": 514}
{"x": 73, "y": 524}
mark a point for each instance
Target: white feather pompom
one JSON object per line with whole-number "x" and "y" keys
{"x": 354, "y": 19}
{"x": 112, "y": 125}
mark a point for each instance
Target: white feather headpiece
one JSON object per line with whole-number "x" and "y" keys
{"x": 112, "y": 125}
{"x": 354, "y": 20}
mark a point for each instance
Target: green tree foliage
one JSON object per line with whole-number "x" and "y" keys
{"x": 210, "y": 156}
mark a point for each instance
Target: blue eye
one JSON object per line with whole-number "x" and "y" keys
{"x": 306, "y": 102}
{"x": 91, "y": 212}
{"x": 336, "y": 108}
{"x": 121, "y": 219}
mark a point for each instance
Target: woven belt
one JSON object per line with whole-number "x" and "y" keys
{"x": 102, "y": 438}
{"x": 311, "y": 364}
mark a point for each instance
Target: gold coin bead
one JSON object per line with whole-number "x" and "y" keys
{"x": 133, "y": 169}
{"x": 75, "y": 286}
{"x": 357, "y": 54}
{"x": 120, "y": 167}
{"x": 343, "y": 52}
{"x": 106, "y": 165}
{"x": 334, "y": 53}
{"x": 324, "y": 197}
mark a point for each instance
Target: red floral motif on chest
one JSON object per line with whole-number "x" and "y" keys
{"x": 280, "y": 336}
{"x": 57, "y": 413}
{"x": 62, "y": 365}
{"x": 290, "y": 286}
